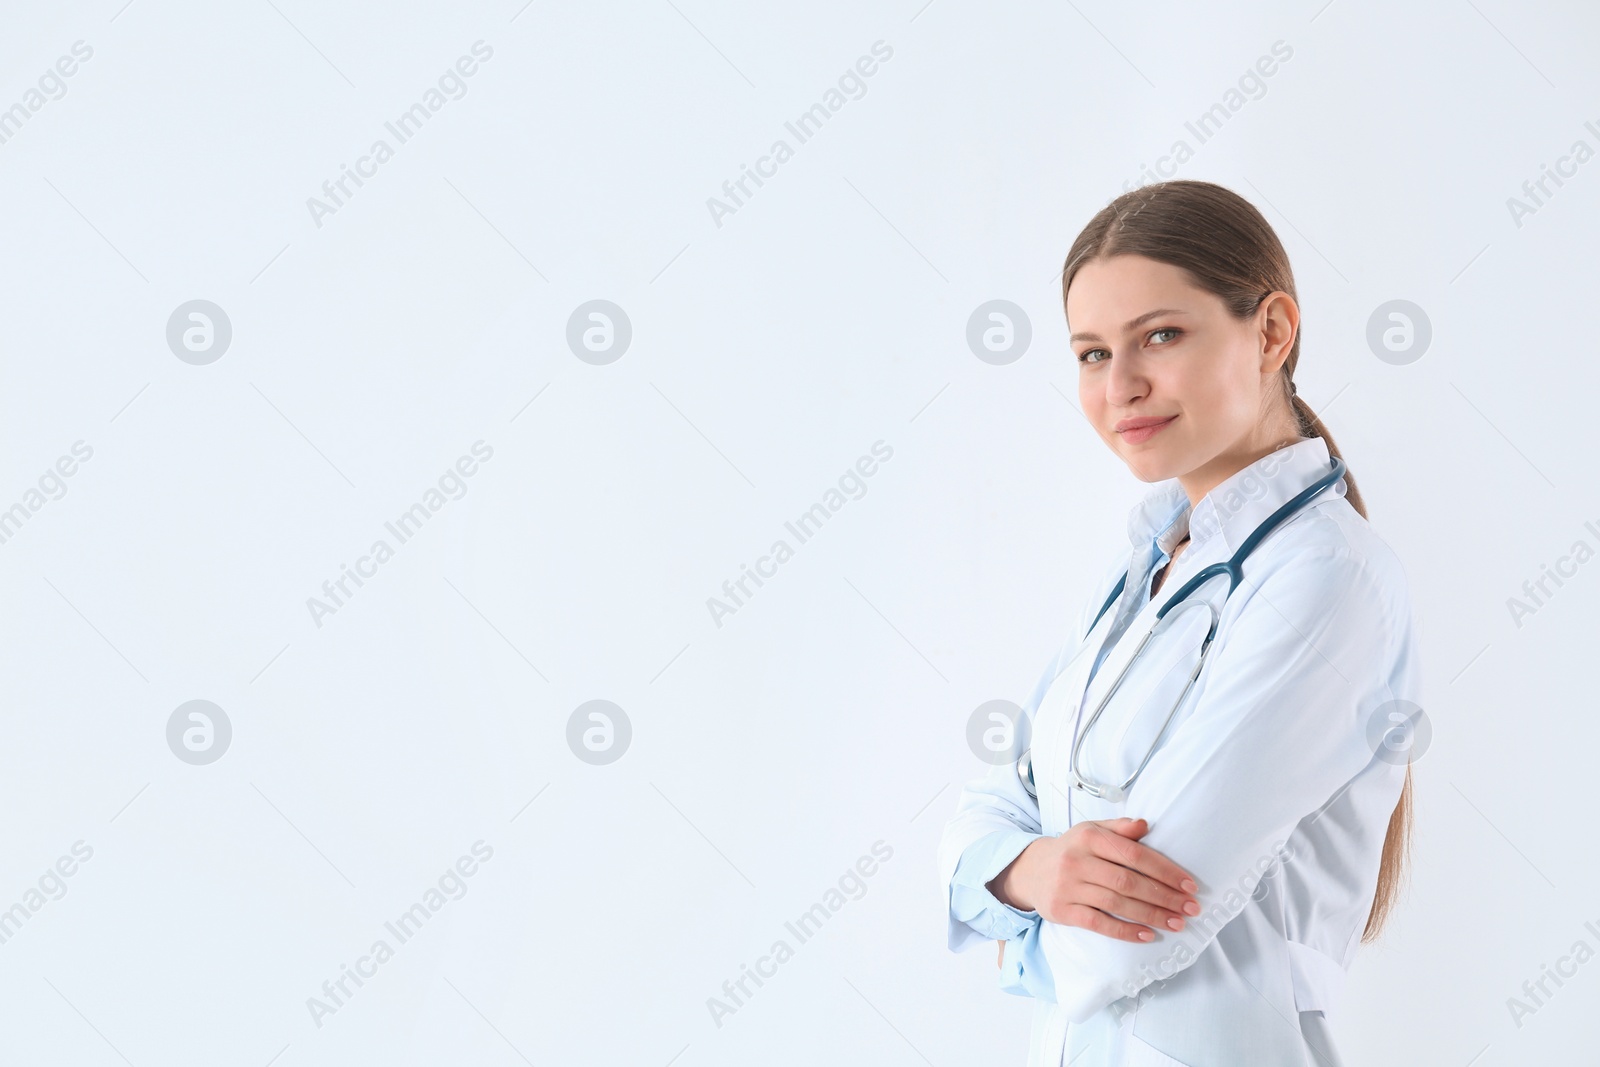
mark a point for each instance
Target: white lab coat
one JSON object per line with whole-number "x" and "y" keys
{"x": 1273, "y": 785}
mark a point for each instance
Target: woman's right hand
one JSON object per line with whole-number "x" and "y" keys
{"x": 1097, "y": 870}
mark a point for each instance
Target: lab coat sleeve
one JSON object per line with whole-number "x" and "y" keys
{"x": 996, "y": 811}
{"x": 988, "y": 806}
{"x": 1278, "y": 728}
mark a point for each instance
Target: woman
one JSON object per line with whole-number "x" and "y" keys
{"x": 1207, "y": 917}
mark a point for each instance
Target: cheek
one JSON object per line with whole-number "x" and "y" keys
{"x": 1086, "y": 396}
{"x": 1093, "y": 403}
{"x": 1218, "y": 391}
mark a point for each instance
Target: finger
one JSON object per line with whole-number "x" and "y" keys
{"x": 1118, "y": 891}
{"x": 1130, "y": 828}
{"x": 1133, "y": 885}
{"x": 1087, "y": 918}
{"x": 1110, "y": 872}
{"x": 1142, "y": 858}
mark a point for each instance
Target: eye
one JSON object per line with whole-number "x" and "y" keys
{"x": 1100, "y": 355}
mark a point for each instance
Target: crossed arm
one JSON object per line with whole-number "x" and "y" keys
{"x": 1276, "y": 730}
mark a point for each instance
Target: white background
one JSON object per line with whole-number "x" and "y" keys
{"x": 768, "y": 354}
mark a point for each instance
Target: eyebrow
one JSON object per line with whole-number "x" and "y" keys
{"x": 1131, "y": 323}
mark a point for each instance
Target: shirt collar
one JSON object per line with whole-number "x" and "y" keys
{"x": 1236, "y": 506}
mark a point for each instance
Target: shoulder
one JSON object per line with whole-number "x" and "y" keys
{"x": 1337, "y": 551}
{"x": 1326, "y": 592}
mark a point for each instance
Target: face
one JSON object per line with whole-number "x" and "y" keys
{"x": 1173, "y": 383}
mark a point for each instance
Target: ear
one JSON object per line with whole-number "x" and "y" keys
{"x": 1278, "y": 319}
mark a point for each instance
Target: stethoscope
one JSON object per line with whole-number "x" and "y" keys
{"x": 1233, "y": 568}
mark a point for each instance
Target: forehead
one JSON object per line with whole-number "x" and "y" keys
{"x": 1107, "y": 293}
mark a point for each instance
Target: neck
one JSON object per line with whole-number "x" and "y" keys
{"x": 1206, "y": 477}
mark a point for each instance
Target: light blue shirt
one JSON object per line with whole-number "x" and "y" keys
{"x": 1022, "y": 971}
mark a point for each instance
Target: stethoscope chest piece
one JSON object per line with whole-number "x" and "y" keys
{"x": 1025, "y": 773}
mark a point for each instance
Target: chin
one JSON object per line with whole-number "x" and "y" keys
{"x": 1148, "y": 468}
{"x": 1149, "y": 474}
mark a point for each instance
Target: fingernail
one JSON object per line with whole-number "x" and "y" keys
{"x": 1189, "y": 886}
{"x": 1176, "y": 924}
{"x": 1191, "y": 908}
{"x": 1146, "y": 935}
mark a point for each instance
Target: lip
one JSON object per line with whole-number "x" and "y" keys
{"x": 1136, "y": 431}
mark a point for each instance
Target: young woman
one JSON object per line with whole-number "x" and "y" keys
{"x": 1184, "y": 878}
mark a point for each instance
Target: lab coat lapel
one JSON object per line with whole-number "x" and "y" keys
{"x": 1219, "y": 522}
{"x": 1128, "y": 726}
{"x": 1053, "y": 724}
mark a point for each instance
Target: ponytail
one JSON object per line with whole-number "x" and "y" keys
{"x": 1397, "y": 842}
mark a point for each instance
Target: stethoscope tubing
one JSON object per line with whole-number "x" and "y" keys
{"x": 1234, "y": 569}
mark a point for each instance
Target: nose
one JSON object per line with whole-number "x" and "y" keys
{"x": 1126, "y": 383}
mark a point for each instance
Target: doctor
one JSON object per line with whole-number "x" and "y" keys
{"x": 1206, "y": 915}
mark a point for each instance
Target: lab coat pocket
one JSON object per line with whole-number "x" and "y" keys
{"x": 1141, "y": 1054}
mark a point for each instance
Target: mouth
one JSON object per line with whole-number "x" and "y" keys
{"x": 1137, "y": 431}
